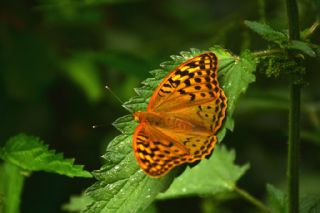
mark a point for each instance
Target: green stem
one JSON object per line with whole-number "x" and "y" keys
{"x": 252, "y": 199}
{"x": 269, "y": 52}
{"x": 294, "y": 118}
{"x": 312, "y": 29}
{"x": 293, "y": 20}
{"x": 13, "y": 186}
{"x": 294, "y": 149}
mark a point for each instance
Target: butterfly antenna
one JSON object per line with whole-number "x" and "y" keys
{"x": 114, "y": 95}
{"x": 95, "y": 126}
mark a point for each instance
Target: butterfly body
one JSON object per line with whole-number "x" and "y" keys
{"x": 162, "y": 120}
{"x": 184, "y": 114}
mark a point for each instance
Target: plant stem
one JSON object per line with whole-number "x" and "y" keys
{"x": 312, "y": 29}
{"x": 294, "y": 118}
{"x": 269, "y": 52}
{"x": 293, "y": 20}
{"x": 294, "y": 149}
{"x": 252, "y": 199}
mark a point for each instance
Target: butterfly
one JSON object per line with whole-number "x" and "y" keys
{"x": 182, "y": 118}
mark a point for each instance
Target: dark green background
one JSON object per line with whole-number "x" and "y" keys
{"x": 57, "y": 56}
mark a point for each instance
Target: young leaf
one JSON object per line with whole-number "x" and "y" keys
{"x": 301, "y": 46}
{"x": 30, "y": 154}
{"x": 209, "y": 177}
{"x": 121, "y": 184}
{"x": 266, "y": 32}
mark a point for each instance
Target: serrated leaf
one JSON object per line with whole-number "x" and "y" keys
{"x": 125, "y": 124}
{"x": 215, "y": 175}
{"x": 128, "y": 194}
{"x": 135, "y": 103}
{"x": 121, "y": 185}
{"x": 277, "y": 199}
{"x": 267, "y": 32}
{"x": 237, "y": 74}
{"x": 30, "y": 154}
{"x": 302, "y": 46}
{"x": 237, "y": 77}
{"x": 310, "y": 204}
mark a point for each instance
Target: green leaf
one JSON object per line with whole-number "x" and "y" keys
{"x": 267, "y": 32}
{"x": 77, "y": 203}
{"x": 302, "y": 46}
{"x": 310, "y": 204}
{"x": 30, "y": 154}
{"x": 237, "y": 74}
{"x": 277, "y": 199}
{"x": 216, "y": 175}
{"x": 121, "y": 185}
{"x": 11, "y": 186}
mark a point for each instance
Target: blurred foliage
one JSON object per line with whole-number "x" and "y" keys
{"x": 56, "y": 56}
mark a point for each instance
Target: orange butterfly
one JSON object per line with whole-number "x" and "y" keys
{"x": 182, "y": 119}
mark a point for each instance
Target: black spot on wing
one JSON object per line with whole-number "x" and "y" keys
{"x": 167, "y": 85}
{"x": 182, "y": 91}
{"x": 197, "y": 87}
{"x": 192, "y": 96}
{"x": 192, "y": 65}
{"x": 187, "y": 82}
{"x": 198, "y": 80}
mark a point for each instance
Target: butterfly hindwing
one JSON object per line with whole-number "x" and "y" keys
{"x": 198, "y": 144}
{"x": 156, "y": 152}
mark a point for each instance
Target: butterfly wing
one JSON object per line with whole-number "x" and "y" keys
{"x": 159, "y": 150}
{"x": 190, "y": 94}
{"x": 206, "y": 116}
{"x": 157, "y": 153}
{"x": 197, "y": 143}
{"x": 192, "y": 83}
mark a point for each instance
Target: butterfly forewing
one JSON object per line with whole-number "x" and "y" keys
{"x": 192, "y": 83}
